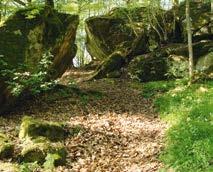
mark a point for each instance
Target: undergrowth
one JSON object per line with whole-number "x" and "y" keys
{"x": 189, "y": 111}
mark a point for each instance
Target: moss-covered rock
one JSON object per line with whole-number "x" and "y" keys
{"x": 115, "y": 31}
{"x": 9, "y": 167}
{"x": 115, "y": 61}
{"x": 6, "y": 147}
{"x": 136, "y": 31}
{"x": 148, "y": 67}
{"x": 131, "y": 31}
{"x": 170, "y": 62}
{"x": 28, "y": 34}
{"x": 33, "y": 128}
{"x": 205, "y": 64}
{"x": 38, "y": 149}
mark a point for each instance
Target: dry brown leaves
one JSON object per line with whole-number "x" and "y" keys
{"x": 115, "y": 142}
{"x": 121, "y": 131}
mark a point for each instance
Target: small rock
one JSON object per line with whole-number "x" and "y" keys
{"x": 38, "y": 149}
{"x": 33, "y": 128}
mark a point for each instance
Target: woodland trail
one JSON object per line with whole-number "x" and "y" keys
{"x": 121, "y": 132}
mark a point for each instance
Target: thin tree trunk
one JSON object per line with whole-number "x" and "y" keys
{"x": 189, "y": 33}
{"x": 211, "y": 17}
{"x": 1, "y": 7}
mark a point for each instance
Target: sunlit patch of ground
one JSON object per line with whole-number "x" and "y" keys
{"x": 78, "y": 75}
{"x": 113, "y": 142}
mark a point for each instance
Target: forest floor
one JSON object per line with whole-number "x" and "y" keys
{"x": 120, "y": 129}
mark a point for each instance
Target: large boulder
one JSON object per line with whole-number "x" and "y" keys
{"x": 170, "y": 62}
{"x": 116, "y": 31}
{"x": 205, "y": 64}
{"x": 30, "y": 32}
{"x": 157, "y": 66}
{"x": 25, "y": 38}
{"x": 141, "y": 30}
{"x": 127, "y": 31}
{"x": 114, "y": 62}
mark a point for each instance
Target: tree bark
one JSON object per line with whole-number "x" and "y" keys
{"x": 189, "y": 33}
{"x": 1, "y": 11}
{"x": 211, "y": 17}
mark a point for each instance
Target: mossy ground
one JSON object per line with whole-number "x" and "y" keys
{"x": 189, "y": 111}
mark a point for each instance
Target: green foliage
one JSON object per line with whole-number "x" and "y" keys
{"x": 32, "y": 11}
{"x": 153, "y": 88}
{"x": 29, "y": 167}
{"x": 190, "y": 139}
{"x": 177, "y": 69}
{"x": 34, "y": 82}
{"x": 51, "y": 160}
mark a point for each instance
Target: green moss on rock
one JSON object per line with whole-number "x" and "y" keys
{"x": 52, "y": 161}
{"x": 148, "y": 68}
{"x": 205, "y": 64}
{"x": 115, "y": 31}
{"x": 38, "y": 149}
{"x": 27, "y": 35}
{"x": 6, "y": 147}
{"x": 170, "y": 62}
{"x": 114, "y": 62}
{"x": 33, "y": 128}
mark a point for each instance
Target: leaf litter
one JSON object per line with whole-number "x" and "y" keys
{"x": 120, "y": 130}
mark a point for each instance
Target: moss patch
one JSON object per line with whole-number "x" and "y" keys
{"x": 33, "y": 128}
{"x": 38, "y": 149}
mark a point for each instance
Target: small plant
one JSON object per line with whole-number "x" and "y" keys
{"x": 177, "y": 67}
{"x": 29, "y": 167}
{"x": 33, "y": 82}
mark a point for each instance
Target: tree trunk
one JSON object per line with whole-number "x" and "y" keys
{"x": 1, "y": 11}
{"x": 211, "y": 17}
{"x": 189, "y": 33}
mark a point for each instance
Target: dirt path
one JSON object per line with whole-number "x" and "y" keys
{"x": 121, "y": 131}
